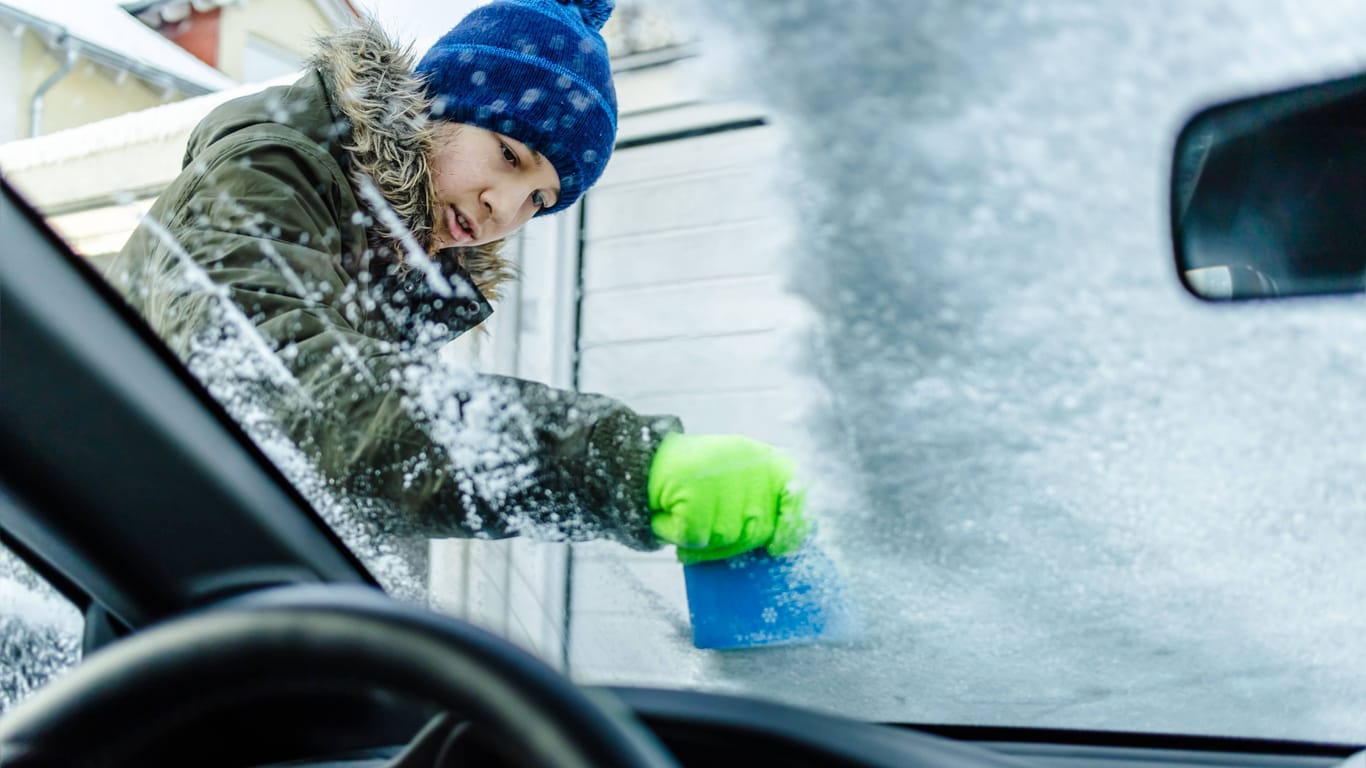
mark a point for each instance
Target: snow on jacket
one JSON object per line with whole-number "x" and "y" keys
{"x": 276, "y": 210}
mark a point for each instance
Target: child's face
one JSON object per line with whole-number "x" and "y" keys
{"x": 487, "y": 185}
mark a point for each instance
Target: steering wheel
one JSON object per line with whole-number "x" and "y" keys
{"x": 322, "y": 634}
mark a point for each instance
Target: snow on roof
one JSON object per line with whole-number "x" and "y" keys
{"x": 106, "y": 32}
{"x": 155, "y": 124}
{"x": 337, "y": 12}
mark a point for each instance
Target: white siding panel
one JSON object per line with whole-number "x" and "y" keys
{"x": 514, "y": 588}
{"x": 654, "y": 89}
{"x": 739, "y": 249}
{"x": 629, "y": 622}
{"x": 586, "y": 551}
{"x": 708, "y": 308}
{"x": 620, "y": 648}
{"x": 743, "y": 148}
{"x": 653, "y": 586}
{"x": 683, "y": 311}
{"x": 711, "y": 364}
{"x": 772, "y": 415}
{"x": 694, "y": 203}
{"x": 536, "y": 593}
{"x": 97, "y": 231}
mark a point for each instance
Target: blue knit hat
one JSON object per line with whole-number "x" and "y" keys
{"x": 535, "y": 70}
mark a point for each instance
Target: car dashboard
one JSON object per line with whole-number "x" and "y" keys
{"x": 722, "y": 731}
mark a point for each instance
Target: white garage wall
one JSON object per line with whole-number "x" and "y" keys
{"x": 683, "y": 311}
{"x": 684, "y": 308}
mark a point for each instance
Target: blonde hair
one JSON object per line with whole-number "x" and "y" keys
{"x": 487, "y": 268}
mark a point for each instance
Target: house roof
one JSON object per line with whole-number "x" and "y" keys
{"x": 102, "y": 31}
{"x": 337, "y": 12}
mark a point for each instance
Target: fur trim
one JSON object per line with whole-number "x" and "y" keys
{"x": 371, "y": 78}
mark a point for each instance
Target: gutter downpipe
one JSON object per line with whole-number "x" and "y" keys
{"x": 35, "y": 117}
{"x": 104, "y": 56}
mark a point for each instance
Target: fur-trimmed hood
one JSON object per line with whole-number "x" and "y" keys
{"x": 371, "y": 82}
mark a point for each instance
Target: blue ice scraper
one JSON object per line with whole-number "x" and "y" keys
{"x": 756, "y": 599}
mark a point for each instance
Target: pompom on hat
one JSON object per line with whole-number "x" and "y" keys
{"x": 535, "y": 70}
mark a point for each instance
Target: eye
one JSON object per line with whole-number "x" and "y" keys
{"x": 539, "y": 199}
{"x": 509, "y": 155}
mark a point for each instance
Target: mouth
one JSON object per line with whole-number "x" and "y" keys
{"x": 462, "y": 230}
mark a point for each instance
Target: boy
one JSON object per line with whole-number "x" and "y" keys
{"x": 355, "y": 218}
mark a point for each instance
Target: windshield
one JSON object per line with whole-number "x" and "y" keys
{"x": 921, "y": 249}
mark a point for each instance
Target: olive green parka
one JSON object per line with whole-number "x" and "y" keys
{"x": 307, "y": 207}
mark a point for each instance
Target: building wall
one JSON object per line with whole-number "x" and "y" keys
{"x": 104, "y": 174}
{"x": 683, "y": 311}
{"x": 198, "y": 34}
{"x": 284, "y": 25}
{"x": 12, "y": 124}
{"x": 88, "y": 93}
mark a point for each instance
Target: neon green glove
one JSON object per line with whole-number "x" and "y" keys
{"x": 717, "y": 496}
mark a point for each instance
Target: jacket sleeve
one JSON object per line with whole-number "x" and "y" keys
{"x": 458, "y": 453}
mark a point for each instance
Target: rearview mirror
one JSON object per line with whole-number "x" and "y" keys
{"x": 1269, "y": 194}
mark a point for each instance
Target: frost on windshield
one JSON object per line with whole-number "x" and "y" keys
{"x": 1086, "y": 500}
{"x": 243, "y": 375}
{"x": 40, "y": 632}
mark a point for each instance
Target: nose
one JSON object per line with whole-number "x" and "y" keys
{"x": 503, "y": 204}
